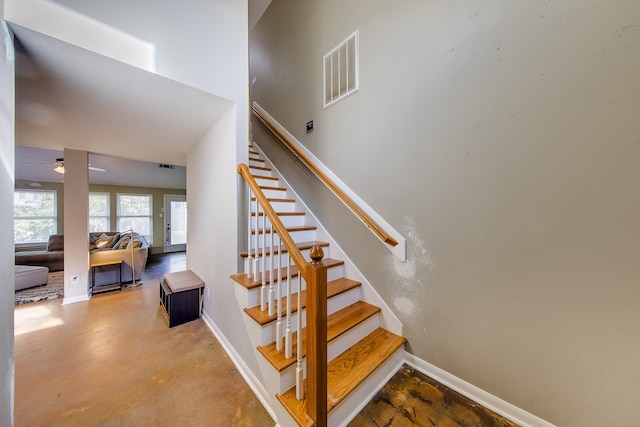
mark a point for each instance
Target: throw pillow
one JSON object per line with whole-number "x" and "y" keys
{"x": 103, "y": 241}
{"x": 100, "y": 243}
{"x": 56, "y": 242}
{"x": 113, "y": 240}
{"x": 124, "y": 243}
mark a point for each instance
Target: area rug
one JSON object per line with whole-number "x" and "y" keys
{"x": 52, "y": 290}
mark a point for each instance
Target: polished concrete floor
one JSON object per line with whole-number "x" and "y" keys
{"x": 113, "y": 361}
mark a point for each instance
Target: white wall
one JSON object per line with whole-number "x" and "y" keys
{"x": 201, "y": 43}
{"x": 502, "y": 140}
{"x": 213, "y": 248}
{"x": 76, "y": 224}
{"x": 7, "y": 287}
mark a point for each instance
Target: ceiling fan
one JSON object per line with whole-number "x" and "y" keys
{"x": 59, "y": 166}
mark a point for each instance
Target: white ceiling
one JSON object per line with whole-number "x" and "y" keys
{"x": 70, "y": 97}
{"x": 37, "y": 165}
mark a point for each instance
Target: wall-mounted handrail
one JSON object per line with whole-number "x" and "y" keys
{"x": 370, "y": 223}
{"x": 315, "y": 276}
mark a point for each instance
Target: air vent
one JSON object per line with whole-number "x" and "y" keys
{"x": 341, "y": 70}
{"x": 163, "y": 166}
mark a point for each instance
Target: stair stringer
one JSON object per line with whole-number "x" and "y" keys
{"x": 389, "y": 320}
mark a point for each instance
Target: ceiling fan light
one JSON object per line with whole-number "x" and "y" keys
{"x": 59, "y": 169}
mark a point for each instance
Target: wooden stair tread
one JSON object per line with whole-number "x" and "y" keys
{"x": 252, "y": 159}
{"x": 337, "y": 324}
{"x": 295, "y": 213}
{"x": 268, "y": 187}
{"x": 347, "y": 371}
{"x": 272, "y": 178}
{"x": 289, "y": 229}
{"x": 256, "y": 281}
{"x": 335, "y": 287}
{"x": 301, "y": 246}
{"x": 276, "y": 199}
{"x": 260, "y": 168}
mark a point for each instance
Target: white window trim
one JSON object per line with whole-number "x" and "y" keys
{"x": 108, "y": 215}
{"x": 28, "y": 245}
{"x": 150, "y": 216}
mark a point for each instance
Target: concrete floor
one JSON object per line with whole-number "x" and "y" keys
{"x": 113, "y": 361}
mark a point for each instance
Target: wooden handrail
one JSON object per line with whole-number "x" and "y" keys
{"x": 377, "y": 230}
{"x": 315, "y": 276}
{"x": 296, "y": 255}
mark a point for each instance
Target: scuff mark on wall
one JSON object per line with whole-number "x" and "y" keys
{"x": 410, "y": 284}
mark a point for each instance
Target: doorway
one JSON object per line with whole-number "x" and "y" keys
{"x": 175, "y": 232}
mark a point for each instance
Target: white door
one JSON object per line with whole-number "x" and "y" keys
{"x": 175, "y": 214}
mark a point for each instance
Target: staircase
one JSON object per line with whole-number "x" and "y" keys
{"x": 361, "y": 354}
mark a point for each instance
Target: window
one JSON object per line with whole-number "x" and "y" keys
{"x": 134, "y": 211}
{"x": 99, "y": 213}
{"x": 341, "y": 70}
{"x": 35, "y": 215}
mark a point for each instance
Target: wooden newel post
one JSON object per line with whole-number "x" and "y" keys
{"x": 317, "y": 338}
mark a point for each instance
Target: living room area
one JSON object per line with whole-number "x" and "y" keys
{"x": 126, "y": 197}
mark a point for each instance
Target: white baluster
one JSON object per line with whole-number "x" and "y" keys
{"x": 279, "y": 299}
{"x": 255, "y": 243}
{"x": 288, "y": 344}
{"x": 250, "y": 270}
{"x": 263, "y": 289}
{"x": 299, "y": 371}
{"x": 271, "y": 278}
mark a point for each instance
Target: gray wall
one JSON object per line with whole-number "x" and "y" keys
{"x": 7, "y": 113}
{"x": 501, "y": 139}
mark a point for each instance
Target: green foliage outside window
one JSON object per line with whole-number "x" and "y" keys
{"x": 35, "y": 216}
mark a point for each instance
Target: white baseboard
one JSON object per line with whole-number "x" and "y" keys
{"x": 499, "y": 406}
{"x": 476, "y": 394}
{"x": 72, "y": 300}
{"x": 255, "y": 385}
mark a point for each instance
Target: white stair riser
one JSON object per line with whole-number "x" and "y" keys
{"x": 306, "y": 253}
{"x": 334, "y": 304}
{"x": 280, "y": 206}
{"x": 334, "y": 348}
{"x": 256, "y": 169}
{"x": 279, "y": 194}
{"x": 268, "y": 333}
{"x": 266, "y": 181}
{"x": 343, "y": 300}
{"x": 298, "y": 236}
{"x": 357, "y": 399}
{"x": 252, "y": 296}
{"x": 286, "y": 220}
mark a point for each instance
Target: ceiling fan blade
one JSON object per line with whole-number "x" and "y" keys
{"x": 97, "y": 169}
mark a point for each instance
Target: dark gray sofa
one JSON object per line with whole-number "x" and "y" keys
{"x": 52, "y": 257}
